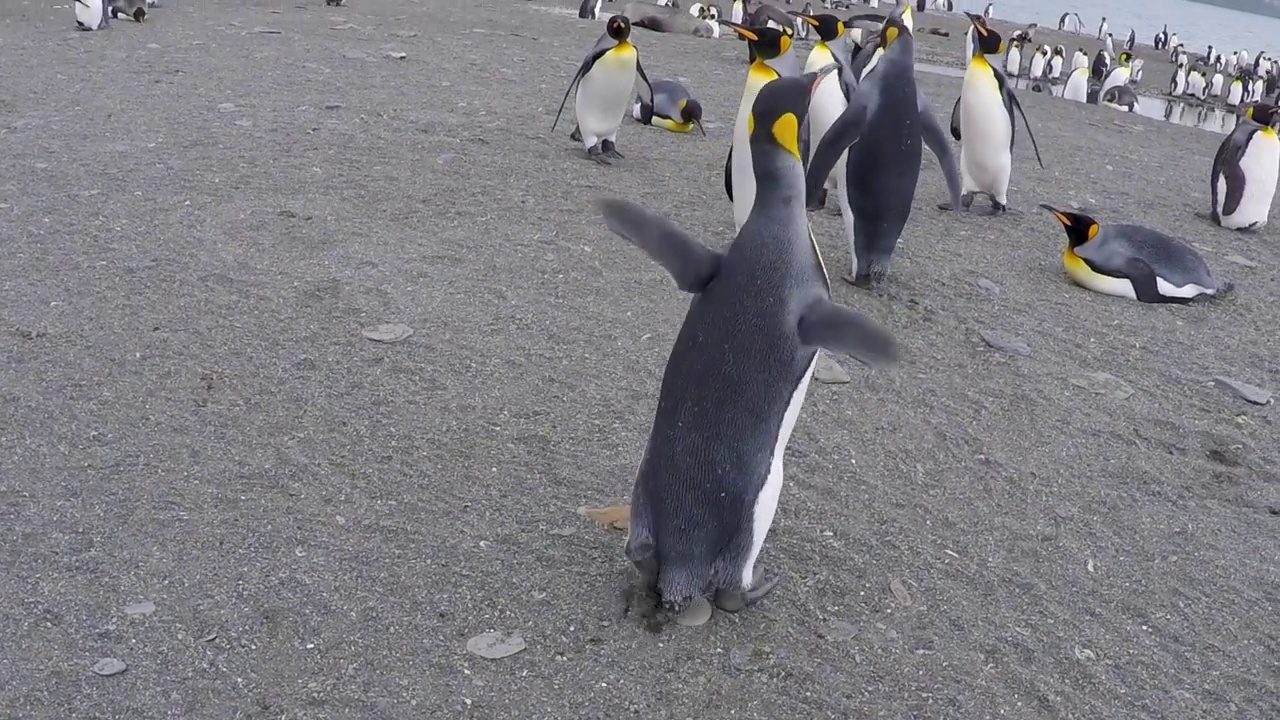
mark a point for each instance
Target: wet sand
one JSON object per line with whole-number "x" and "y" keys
{"x": 202, "y": 218}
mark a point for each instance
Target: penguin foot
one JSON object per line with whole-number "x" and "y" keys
{"x": 736, "y": 599}
{"x": 576, "y": 135}
{"x": 858, "y": 281}
{"x": 611, "y": 150}
{"x": 597, "y": 154}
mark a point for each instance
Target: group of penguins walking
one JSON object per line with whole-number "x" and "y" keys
{"x": 851, "y": 123}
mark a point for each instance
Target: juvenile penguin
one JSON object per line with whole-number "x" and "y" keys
{"x": 739, "y": 180}
{"x": 709, "y": 480}
{"x": 1133, "y": 262}
{"x": 606, "y": 81}
{"x": 1243, "y": 180}
{"x": 90, "y": 14}
{"x": 983, "y": 122}
{"x": 674, "y": 108}
{"x": 829, "y": 98}
{"x": 136, "y": 9}
{"x": 883, "y": 129}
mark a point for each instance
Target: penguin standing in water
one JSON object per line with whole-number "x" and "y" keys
{"x": 90, "y": 14}
{"x": 1132, "y": 261}
{"x": 883, "y": 129}
{"x": 829, "y": 98}
{"x": 711, "y": 475}
{"x": 739, "y": 180}
{"x": 1243, "y": 181}
{"x": 983, "y": 121}
{"x": 606, "y": 81}
{"x": 674, "y": 108}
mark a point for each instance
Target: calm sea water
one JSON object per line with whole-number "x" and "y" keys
{"x": 1196, "y": 24}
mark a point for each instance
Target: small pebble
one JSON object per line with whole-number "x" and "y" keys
{"x": 387, "y": 332}
{"x": 1245, "y": 391}
{"x": 397, "y": 55}
{"x": 244, "y": 123}
{"x": 146, "y": 607}
{"x": 1104, "y": 384}
{"x": 226, "y": 107}
{"x": 829, "y": 371}
{"x": 106, "y": 667}
{"x": 334, "y": 106}
{"x": 1241, "y": 261}
{"x": 899, "y": 591}
{"x": 495, "y": 646}
{"x": 266, "y": 31}
{"x": 750, "y": 658}
{"x": 696, "y": 614}
{"x": 1004, "y": 344}
{"x": 988, "y": 287}
{"x": 839, "y": 631}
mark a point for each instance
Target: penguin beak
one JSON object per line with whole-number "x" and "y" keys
{"x": 741, "y": 31}
{"x": 1066, "y": 221}
{"x": 807, "y": 18}
{"x": 700, "y": 128}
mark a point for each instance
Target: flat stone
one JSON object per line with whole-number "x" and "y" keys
{"x": 988, "y": 287}
{"x": 226, "y": 107}
{"x": 146, "y": 607}
{"x": 387, "y": 332}
{"x": 106, "y": 667}
{"x": 1004, "y": 344}
{"x": 397, "y": 55}
{"x": 829, "y": 372}
{"x": 1241, "y": 261}
{"x": 750, "y": 658}
{"x": 698, "y": 613}
{"x": 840, "y": 631}
{"x": 1105, "y": 384}
{"x": 1243, "y": 390}
{"x": 495, "y": 646}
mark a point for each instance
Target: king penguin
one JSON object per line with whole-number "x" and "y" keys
{"x": 589, "y": 10}
{"x": 739, "y": 180}
{"x": 1120, "y": 74}
{"x": 606, "y": 81}
{"x": 883, "y": 129}
{"x": 136, "y": 9}
{"x": 1243, "y": 181}
{"x": 1077, "y": 87}
{"x": 90, "y": 14}
{"x": 829, "y": 98}
{"x": 674, "y": 108}
{"x": 1132, "y": 261}
{"x": 983, "y": 121}
{"x": 711, "y": 475}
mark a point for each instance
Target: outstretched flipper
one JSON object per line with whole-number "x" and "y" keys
{"x": 692, "y": 265}
{"x": 932, "y": 135}
{"x": 844, "y": 132}
{"x": 955, "y": 120}
{"x": 1143, "y": 279}
{"x": 838, "y": 329}
{"x": 728, "y": 174}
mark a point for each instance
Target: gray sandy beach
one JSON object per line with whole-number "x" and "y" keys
{"x": 200, "y": 218}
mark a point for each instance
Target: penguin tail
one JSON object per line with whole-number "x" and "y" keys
{"x": 680, "y": 585}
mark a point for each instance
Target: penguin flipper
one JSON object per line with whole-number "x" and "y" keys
{"x": 1143, "y": 280}
{"x": 842, "y": 133}
{"x": 826, "y": 325}
{"x": 692, "y": 265}
{"x": 933, "y": 136}
{"x": 955, "y": 120}
{"x": 1226, "y": 164}
{"x": 728, "y": 174}
{"x": 646, "y": 92}
{"x": 1011, "y": 101}
{"x": 602, "y": 46}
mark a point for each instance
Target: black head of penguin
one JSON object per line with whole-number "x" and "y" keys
{"x": 829, "y": 27}
{"x": 894, "y": 33}
{"x": 1263, "y": 113}
{"x": 766, "y": 42}
{"x": 779, "y": 111}
{"x": 691, "y": 112}
{"x": 618, "y": 27}
{"x": 989, "y": 41}
{"x": 1080, "y": 228}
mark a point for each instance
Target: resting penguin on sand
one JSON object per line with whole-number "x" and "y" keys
{"x": 883, "y": 129}
{"x": 711, "y": 475}
{"x": 606, "y": 81}
{"x": 674, "y": 108}
{"x": 1133, "y": 262}
{"x": 136, "y": 9}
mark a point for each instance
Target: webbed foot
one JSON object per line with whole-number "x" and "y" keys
{"x": 736, "y": 599}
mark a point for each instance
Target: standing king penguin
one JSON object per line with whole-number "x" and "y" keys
{"x": 829, "y": 98}
{"x": 883, "y": 128}
{"x": 1243, "y": 181}
{"x": 983, "y": 121}
{"x": 739, "y": 179}
{"x": 709, "y": 481}
{"x": 90, "y": 14}
{"x": 606, "y": 81}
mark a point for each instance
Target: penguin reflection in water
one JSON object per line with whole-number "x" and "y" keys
{"x": 606, "y": 81}
{"x": 1134, "y": 262}
{"x": 708, "y": 483}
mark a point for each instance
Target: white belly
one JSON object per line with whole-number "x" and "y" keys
{"x": 825, "y": 107}
{"x": 605, "y": 94}
{"x": 1013, "y": 63}
{"x": 1077, "y": 86}
{"x": 1260, "y": 165}
{"x": 985, "y": 132}
{"x": 1215, "y": 87}
{"x": 90, "y": 14}
{"x": 1037, "y": 66}
{"x": 1081, "y": 275}
{"x": 819, "y": 57}
{"x": 744, "y": 180}
{"x": 735, "y": 13}
{"x": 767, "y": 500}
{"x": 1079, "y": 61}
{"x": 1118, "y": 77}
{"x": 1233, "y": 95}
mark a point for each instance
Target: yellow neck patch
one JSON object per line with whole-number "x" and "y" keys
{"x": 890, "y": 34}
{"x": 751, "y": 123}
{"x": 1269, "y": 131}
{"x": 1093, "y": 230}
{"x": 786, "y": 130}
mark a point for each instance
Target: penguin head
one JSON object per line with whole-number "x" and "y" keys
{"x": 1080, "y": 228}
{"x": 768, "y": 42}
{"x": 894, "y": 29}
{"x": 691, "y": 111}
{"x": 1126, "y": 57}
{"x": 989, "y": 41}
{"x": 1263, "y": 114}
{"x": 1060, "y": 51}
{"x": 140, "y": 13}
{"x": 829, "y": 27}
{"x": 618, "y": 28}
{"x": 780, "y": 110}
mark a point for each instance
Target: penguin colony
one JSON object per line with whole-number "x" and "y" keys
{"x": 846, "y": 124}
{"x": 850, "y": 123}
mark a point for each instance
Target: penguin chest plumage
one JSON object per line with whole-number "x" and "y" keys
{"x": 1259, "y": 167}
{"x": 1013, "y": 62}
{"x": 1077, "y": 88}
{"x": 1117, "y": 77}
{"x": 1235, "y": 93}
{"x": 1037, "y": 65}
{"x": 825, "y": 107}
{"x": 605, "y": 92}
{"x": 744, "y": 180}
{"x": 987, "y": 132}
{"x": 1055, "y": 67}
{"x": 90, "y": 14}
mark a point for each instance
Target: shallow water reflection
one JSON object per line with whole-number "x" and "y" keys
{"x": 1209, "y": 117}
